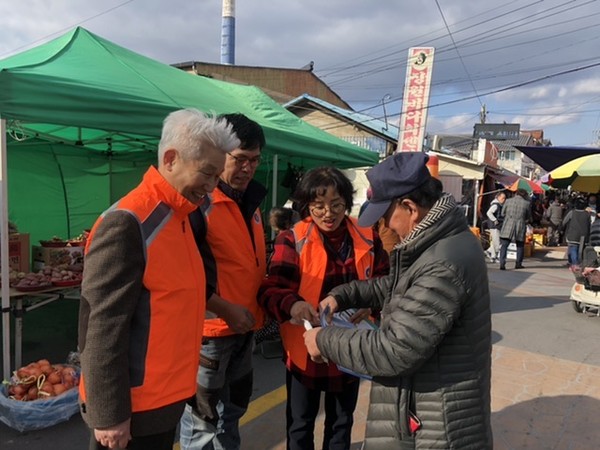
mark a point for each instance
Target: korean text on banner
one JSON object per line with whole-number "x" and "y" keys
{"x": 416, "y": 99}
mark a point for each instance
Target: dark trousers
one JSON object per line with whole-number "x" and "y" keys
{"x": 504, "y": 243}
{"x": 161, "y": 441}
{"x": 301, "y": 411}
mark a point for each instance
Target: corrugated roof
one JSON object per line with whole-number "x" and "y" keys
{"x": 370, "y": 123}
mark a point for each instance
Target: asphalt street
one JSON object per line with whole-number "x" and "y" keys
{"x": 534, "y": 326}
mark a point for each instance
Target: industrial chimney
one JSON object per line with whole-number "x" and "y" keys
{"x": 228, "y": 33}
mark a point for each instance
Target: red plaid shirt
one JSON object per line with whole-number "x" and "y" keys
{"x": 279, "y": 292}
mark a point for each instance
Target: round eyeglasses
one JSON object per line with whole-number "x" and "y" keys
{"x": 319, "y": 210}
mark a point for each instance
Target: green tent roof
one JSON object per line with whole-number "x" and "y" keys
{"x": 85, "y": 90}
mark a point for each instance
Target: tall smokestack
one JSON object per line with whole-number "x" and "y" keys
{"x": 228, "y": 33}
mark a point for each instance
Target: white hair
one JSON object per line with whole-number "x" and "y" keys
{"x": 191, "y": 131}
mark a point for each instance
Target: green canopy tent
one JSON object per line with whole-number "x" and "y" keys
{"x": 80, "y": 119}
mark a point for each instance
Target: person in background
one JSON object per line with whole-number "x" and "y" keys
{"x": 325, "y": 249}
{"x": 494, "y": 217}
{"x": 237, "y": 261}
{"x": 537, "y": 212}
{"x": 517, "y": 214}
{"x": 430, "y": 359}
{"x": 142, "y": 298}
{"x": 577, "y": 230}
{"x": 554, "y": 215}
{"x": 592, "y": 208}
{"x": 594, "y": 239}
{"x": 282, "y": 218}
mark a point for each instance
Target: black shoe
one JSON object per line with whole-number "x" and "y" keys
{"x": 520, "y": 266}
{"x": 502, "y": 268}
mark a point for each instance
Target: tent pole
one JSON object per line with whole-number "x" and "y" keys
{"x": 4, "y": 262}
{"x": 475, "y": 200}
{"x": 274, "y": 187}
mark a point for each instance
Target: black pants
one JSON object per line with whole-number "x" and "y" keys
{"x": 161, "y": 441}
{"x": 504, "y": 243}
{"x": 301, "y": 412}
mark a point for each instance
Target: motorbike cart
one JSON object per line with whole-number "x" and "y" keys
{"x": 585, "y": 293}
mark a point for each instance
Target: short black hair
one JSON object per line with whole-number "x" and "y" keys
{"x": 316, "y": 181}
{"x": 580, "y": 203}
{"x": 249, "y": 132}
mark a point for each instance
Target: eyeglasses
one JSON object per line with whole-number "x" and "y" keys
{"x": 241, "y": 161}
{"x": 319, "y": 210}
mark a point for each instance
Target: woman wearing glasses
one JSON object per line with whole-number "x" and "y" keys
{"x": 325, "y": 249}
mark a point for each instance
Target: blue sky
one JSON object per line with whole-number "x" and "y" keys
{"x": 533, "y": 62}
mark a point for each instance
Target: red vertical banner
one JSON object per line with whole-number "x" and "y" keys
{"x": 416, "y": 99}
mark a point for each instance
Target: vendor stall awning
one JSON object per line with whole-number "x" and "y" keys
{"x": 549, "y": 158}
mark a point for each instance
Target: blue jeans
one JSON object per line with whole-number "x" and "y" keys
{"x": 573, "y": 254}
{"x": 504, "y": 243}
{"x": 222, "y": 395}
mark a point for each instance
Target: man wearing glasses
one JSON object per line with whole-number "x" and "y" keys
{"x": 232, "y": 244}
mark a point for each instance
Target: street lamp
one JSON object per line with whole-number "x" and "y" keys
{"x": 383, "y": 100}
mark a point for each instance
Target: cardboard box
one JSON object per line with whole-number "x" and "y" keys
{"x": 18, "y": 252}
{"x": 56, "y": 256}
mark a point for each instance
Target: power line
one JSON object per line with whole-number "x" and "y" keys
{"x": 458, "y": 52}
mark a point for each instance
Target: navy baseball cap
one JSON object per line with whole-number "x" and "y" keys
{"x": 394, "y": 177}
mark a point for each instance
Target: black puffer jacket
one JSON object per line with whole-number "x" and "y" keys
{"x": 432, "y": 353}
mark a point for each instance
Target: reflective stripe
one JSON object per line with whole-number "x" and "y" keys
{"x": 138, "y": 340}
{"x": 155, "y": 222}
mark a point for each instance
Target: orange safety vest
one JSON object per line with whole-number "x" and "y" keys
{"x": 167, "y": 325}
{"x": 312, "y": 263}
{"x": 241, "y": 265}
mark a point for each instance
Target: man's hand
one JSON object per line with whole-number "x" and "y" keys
{"x": 588, "y": 270}
{"x": 310, "y": 340}
{"x": 116, "y": 437}
{"x": 237, "y": 317}
{"x": 303, "y": 310}
{"x": 333, "y": 307}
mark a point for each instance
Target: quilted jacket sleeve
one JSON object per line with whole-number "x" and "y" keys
{"x": 413, "y": 323}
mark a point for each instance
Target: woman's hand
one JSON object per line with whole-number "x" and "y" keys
{"x": 303, "y": 310}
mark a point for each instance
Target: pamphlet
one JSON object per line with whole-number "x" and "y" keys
{"x": 342, "y": 319}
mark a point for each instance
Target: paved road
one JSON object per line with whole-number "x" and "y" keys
{"x": 536, "y": 333}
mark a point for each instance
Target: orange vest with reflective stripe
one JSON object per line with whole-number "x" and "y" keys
{"x": 166, "y": 330}
{"x": 241, "y": 264}
{"x": 312, "y": 264}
